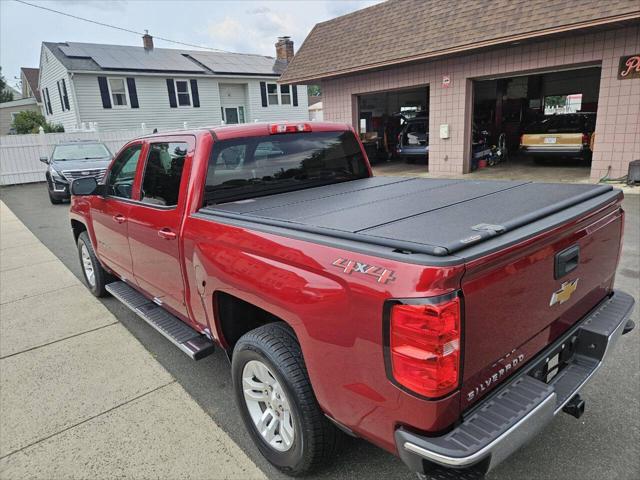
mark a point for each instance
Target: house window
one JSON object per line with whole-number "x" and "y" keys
{"x": 285, "y": 94}
{"x": 183, "y": 91}
{"x": 118, "y": 92}
{"x": 241, "y": 114}
{"x": 64, "y": 96}
{"x": 272, "y": 93}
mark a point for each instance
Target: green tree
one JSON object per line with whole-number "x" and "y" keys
{"x": 6, "y": 95}
{"x": 555, "y": 101}
{"x": 29, "y": 121}
{"x": 314, "y": 90}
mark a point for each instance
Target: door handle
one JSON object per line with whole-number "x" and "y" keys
{"x": 167, "y": 234}
{"x": 119, "y": 218}
{"x": 566, "y": 261}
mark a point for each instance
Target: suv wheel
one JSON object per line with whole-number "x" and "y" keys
{"x": 95, "y": 276}
{"x": 52, "y": 199}
{"x": 277, "y": 403}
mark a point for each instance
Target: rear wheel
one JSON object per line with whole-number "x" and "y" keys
{"x": 95, "y": 276}
{"x": 277, "y": 403}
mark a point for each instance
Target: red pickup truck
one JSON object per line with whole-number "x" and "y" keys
{"x": 446, "y": 321}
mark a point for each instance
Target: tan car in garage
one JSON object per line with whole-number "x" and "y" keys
{"x": 564, "y": 135}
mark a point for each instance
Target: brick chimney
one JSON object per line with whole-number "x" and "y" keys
{"x": 147, "y": 41}
{"x": 284, "y": 49}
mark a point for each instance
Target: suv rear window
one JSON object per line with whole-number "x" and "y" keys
{"x": 257, "y": 166}
{"x": 419, "y": 127}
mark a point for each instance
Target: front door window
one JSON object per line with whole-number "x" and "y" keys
{"x": 123, "y": 172}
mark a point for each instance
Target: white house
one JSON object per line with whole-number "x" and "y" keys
{"x": 121, "y": 87}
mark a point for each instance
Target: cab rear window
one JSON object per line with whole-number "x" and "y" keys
{"x": 257, "y": 166}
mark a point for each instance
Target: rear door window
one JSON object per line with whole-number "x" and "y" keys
{"x": 163, "y": 173}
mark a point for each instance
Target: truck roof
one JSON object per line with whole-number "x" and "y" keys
{"x": 225, "y": 132}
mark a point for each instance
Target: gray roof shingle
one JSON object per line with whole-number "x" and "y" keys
{"x": 398, "y": 31}
{"x": 32, "y": 76}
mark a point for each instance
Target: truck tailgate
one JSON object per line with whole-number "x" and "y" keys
{"x": 518, "y": 300}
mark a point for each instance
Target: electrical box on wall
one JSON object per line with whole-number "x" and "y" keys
{"x": 444, "y": 130}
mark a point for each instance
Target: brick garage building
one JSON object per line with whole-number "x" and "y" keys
{"x": 447, "y": 47}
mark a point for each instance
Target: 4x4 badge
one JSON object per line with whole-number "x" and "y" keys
{"x": 353, "y": 266}
{"x": 565, "y": 292}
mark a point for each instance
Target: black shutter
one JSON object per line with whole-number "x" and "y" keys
{"x": 194, "y": 93}
{"x": 133, "y": 93}
{"x": 104, "y": 92}
{"x": 46, "y": 90}
{"x": 263, "y": 93}
{"x": 60, "y": 95}
{"x": 294, "y": 89}
{"x": 65, "y": 94}
{"x": 171, "y": 88}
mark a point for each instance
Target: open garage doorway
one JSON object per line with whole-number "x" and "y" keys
{"x": 394, "y": 124}
{"x": 538, "y": 125}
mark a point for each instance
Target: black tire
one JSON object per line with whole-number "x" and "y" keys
{"x": 52, "y": 199}
{"x": 315, "y": 439}
{"x": 101, "y": 276}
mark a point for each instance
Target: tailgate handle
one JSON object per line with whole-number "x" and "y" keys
{"x": 566, "y": 261}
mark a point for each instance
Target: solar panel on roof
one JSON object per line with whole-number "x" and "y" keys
{"x": 133, "y": 58}
{"x": 221, "y": 62}
{"x": 72, "y": 50}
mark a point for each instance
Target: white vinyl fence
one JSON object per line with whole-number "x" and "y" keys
{"x": 20, "y": 154}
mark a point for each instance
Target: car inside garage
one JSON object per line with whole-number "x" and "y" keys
{"x": 542, "y": 120}
{"x": 394, "y": 124}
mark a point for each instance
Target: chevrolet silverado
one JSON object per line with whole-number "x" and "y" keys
{"x": 446, "y": 321}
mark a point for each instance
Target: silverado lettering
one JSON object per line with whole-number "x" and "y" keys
{"x": 227, "y": 237}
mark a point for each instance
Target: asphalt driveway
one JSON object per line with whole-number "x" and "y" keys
{"x": 604, "y": 443}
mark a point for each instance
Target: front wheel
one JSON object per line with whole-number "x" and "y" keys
{"x": 52, "y": 199}
{"x": 95, "y": 276}
{"x": 277, "y": 403}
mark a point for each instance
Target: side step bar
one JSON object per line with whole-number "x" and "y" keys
{"x": 184, "y": 337}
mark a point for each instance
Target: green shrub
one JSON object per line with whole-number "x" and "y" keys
{"x": 30, "y": 122}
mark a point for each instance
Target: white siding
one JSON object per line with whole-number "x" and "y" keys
{"x": 154, "y": 111}
{"x": 51, "y": 70}
{"x": 273, "y": 113}
{"x": 233, "y": 95}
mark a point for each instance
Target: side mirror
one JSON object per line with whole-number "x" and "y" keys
{"x": 84, "y": 186}
{"x": 44, "y": 160}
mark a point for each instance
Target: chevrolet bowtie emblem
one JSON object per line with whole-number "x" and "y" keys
{"x": 565, "y": 292}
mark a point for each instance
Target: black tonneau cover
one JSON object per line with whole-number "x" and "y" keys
{"x": 431, "y": 216}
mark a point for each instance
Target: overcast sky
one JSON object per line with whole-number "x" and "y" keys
{"x": 238, "y": 26}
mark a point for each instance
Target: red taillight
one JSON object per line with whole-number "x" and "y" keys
{"x": 425, "y": 347}
{"x": 289, "y": 128}
{"x": 585, "y": 139}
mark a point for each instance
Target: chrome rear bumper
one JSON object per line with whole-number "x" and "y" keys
{"x": 514, "y": 414}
